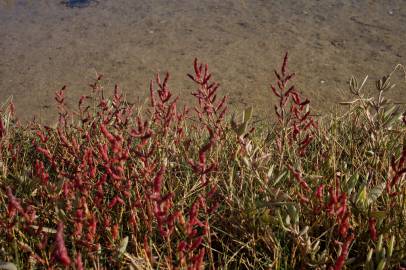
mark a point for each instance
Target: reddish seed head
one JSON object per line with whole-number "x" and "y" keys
{"x": 344, "y": 253}
{"x": 319, "y": 191}
{"x": 147, "y": 249}
{"x": 92, "y": 226}
{"x": 285, "y": 64}
{"x": 158, "y": 180}
{"x": 196, "y": 243}
{"x": 42, "y": 137}
{"x": 61, "y": 252}
{"x": 107, "y": 133}
{"x": 342, "y": 210}
{"x": 344, "y": 225}
{"x": 182, "y": 246}
{"x": 115, "y": 231}
{"x": 78, "y": 262}
{"x": 198, "y": 260}
{"x": 14, "y": 204}
{"x": 2, "y": 129}
{"x": 112, "y": 203}
{"x": 372, "y": 228}
{"x": 78, "y": 229}
{"x": 333, "y": 195}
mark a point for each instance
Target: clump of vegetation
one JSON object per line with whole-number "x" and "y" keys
{"x": 114, "y": 186}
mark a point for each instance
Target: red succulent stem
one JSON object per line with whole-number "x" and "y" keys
{"x": 344, "y": 252}
{"x": 61, "y": 253}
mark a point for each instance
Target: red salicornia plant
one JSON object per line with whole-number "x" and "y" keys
{"x": 114, "y": 186}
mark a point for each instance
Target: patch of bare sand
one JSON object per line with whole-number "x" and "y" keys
{"x": 45, "y": 45}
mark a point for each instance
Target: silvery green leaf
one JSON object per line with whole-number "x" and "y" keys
{"x": 369, "y": 256}
{"x": 352, "y": 182}
{"x": 44, "y": 229}
{"x": 353, "y": 85}
{"x": 241, "y": 129}
{"x": 303, "y": 231}
{"x": 7, "y": 266}
{"x": 378, "y": 214}
{"x": 391, "y": 245}
{"x": 247, "y": 161}
{"x": 370, "y": 153}
{"x": 391, "y": 116}
{"x": 280, "y": 177}
{"x": 362, "y": 198}
{"x": 287, "y": 220}
{"x": 278, "y": 213}
{"x": 247, "y": 114}
{"x": 390, "y": 111}
{"x": 266, "y": 217}
{"x": 233, "y": 122}
{"x": 293, "y": 213}
{"x": 123, "y": 245}
{"x": 381, "y": 265}
{"x": 270, "y": 172}
{"x": 379, "y": 244}
{"x": 376, "y": 192}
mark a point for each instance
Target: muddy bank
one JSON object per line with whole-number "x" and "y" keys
{"x": 46, "y": 44}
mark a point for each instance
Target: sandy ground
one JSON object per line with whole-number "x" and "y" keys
{"x": 44, "y": 45}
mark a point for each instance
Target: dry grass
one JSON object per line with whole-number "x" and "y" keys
{"x": 113, "y": 186}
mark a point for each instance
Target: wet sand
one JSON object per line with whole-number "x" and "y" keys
{"x": 45, "y": 45}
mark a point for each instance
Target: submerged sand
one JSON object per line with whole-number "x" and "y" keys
{"x": 44, "y": 45}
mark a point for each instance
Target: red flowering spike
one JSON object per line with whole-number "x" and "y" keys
{"x": 61, "y": 252}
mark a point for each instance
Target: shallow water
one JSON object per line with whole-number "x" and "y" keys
{"x": 46, "y": 44}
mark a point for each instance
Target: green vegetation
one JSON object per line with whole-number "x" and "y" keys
{"x": 112, "y": 186}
